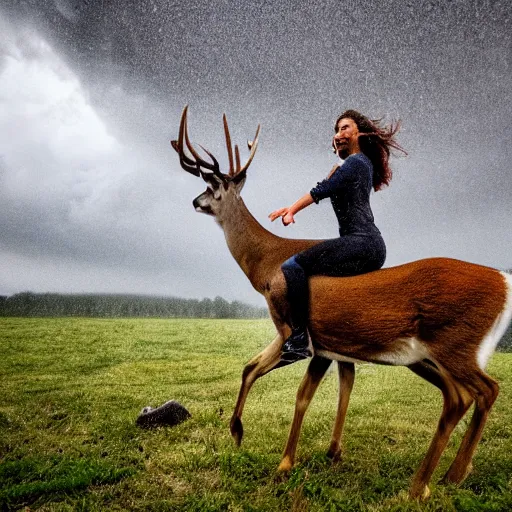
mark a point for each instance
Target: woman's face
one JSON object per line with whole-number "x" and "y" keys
{"x": 346, "y": 138}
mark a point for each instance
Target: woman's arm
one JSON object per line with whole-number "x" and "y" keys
{"x": 288, "y": 212}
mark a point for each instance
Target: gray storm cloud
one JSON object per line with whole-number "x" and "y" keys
{"x": 92, "y": 197}
{"x": 72, "y": 192}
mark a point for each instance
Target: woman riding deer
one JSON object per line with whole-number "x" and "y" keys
{"x": 441, "y": 318}
{"x": 363, "y": 147}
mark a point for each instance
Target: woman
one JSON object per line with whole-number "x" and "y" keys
{"x": 364, "y": 149}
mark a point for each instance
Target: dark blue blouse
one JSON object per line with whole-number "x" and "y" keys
{"x": 349, "y": 188}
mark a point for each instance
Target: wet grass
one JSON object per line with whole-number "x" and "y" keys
{"x": 71, "y": 389}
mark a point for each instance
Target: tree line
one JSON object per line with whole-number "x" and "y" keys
{"x": 28, "y": 304}
{"x": 505, "y": 344}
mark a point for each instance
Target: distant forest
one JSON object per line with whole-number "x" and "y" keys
{"x": 122, "y": 306}
{"x": 117, "y": 306}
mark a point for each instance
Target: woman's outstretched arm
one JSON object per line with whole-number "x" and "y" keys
{"x": 288, "y": 212}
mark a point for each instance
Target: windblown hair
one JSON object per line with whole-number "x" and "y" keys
{"x": 376, "y": 142}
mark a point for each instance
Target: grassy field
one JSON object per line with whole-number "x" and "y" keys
{"x": 71, "y": 389}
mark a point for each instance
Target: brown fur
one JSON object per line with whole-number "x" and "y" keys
{"x": 448, "y": 304}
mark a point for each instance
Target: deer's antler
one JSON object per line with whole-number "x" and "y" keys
{"x": 253, "y": 146}
{"x": 234, "y": 170}
{"x": 196, "y": 165}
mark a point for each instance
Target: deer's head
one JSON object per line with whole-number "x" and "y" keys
{"x": 221, "y": 188}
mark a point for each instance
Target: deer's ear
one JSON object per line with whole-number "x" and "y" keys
{"x": 239, "y": 180}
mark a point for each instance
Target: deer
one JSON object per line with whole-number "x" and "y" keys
{"x": 441, "y": 318}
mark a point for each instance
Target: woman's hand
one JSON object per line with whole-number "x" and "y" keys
{"x": 285, "y": 213}
{"x": 288, "y": 212}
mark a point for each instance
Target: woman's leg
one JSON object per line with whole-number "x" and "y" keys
{"x": 348, "y": 255}
{"x": 296, "y": 346}
{"x": 344, "y": 256}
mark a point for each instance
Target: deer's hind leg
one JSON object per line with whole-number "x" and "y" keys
{"x": 485, "y": 391}
{"x": 267, "y": 360}
{"x": 346, "y": 374}
{"x": 456, "y": 401}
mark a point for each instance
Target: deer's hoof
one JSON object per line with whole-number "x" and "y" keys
{"x": 334, "y": 454}
{"x": 282, "y": 474}
{"x": 456, "y": 477}
{"x": 420, "y": 494}
{"x": 237, "y": 430}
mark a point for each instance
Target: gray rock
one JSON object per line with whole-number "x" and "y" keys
{"x": 171, "y": 413}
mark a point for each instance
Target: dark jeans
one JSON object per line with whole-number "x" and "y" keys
{"x": 348, "y": 255}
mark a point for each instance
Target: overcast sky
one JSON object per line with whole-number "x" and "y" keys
{"x": 92, "y": 198}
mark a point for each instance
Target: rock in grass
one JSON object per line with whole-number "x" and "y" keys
{"x": 170, "y": 414}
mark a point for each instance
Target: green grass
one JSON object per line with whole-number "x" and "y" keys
{"x": 71, "y": 389}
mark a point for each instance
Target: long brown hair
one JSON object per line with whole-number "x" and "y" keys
{"x": 376, "y": 142}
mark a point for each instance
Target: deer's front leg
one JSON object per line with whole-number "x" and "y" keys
{"x": 316, "y": 370}
{"x": 346, "y": 373}
{"x": 266, "y": 361}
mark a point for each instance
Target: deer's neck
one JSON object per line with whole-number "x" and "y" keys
{"x": 258, "y": 252}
